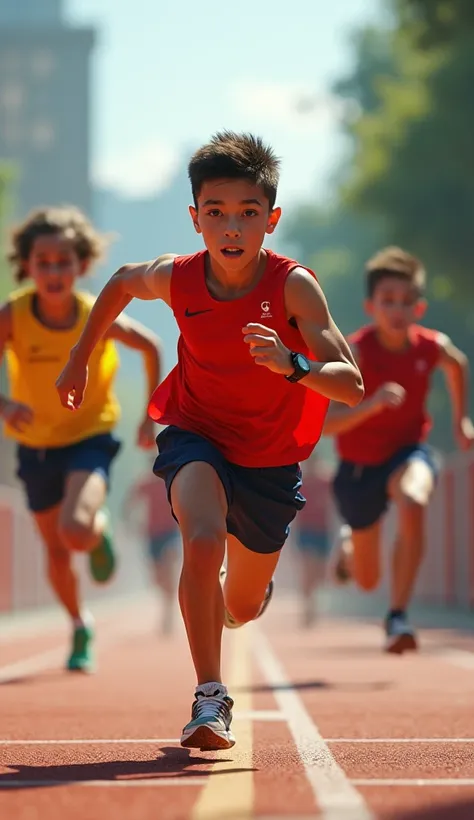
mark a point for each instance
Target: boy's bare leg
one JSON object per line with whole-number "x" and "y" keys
{"x": 200, "y": 505}
{"x": 247, "y": 580}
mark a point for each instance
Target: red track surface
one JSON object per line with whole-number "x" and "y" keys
{"x": 317, "y": 713}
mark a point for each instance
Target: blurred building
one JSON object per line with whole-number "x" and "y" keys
{"x": 45, "y": 103}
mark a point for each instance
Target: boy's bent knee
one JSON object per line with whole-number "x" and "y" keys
{"x": 413, "y": 499}
{"x": 243, "y": 611}
{"x": 368, "y": 582}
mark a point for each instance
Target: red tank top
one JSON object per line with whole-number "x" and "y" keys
{"x": 378, "y": 438}
{"x": 256, "y": 418}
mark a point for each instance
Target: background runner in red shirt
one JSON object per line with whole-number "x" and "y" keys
{"x": 313, "y": 533}
{"x": 381, "y": 443}
{"x": 147, "y": 507}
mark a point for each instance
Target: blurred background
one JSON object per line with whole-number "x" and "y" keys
{"x": 369, "y": 103}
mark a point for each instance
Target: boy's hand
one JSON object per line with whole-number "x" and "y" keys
{"x": 464, "y": 433}
{"x": 389, "y": 395}
{"x": 146, "y": 435}
{"x": 72, "y": 382}
{"x": 267, "y": 348}
{"x": 16, "y": 414}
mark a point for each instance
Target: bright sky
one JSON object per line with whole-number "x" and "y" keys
{"x": 169, "y": 74}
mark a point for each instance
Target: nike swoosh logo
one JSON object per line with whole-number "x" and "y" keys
{"x": 188, "y": 313}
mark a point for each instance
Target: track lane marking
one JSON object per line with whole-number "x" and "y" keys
{"x": 333, "y": 791}
{"x": 231, "y": 794}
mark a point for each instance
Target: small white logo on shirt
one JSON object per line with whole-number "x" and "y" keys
{"x": 421, "y": 365}
{"x": 266, "y": 312}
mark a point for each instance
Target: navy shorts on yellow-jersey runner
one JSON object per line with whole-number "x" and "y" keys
{"x": 44, "y": 471}
{"x": 262, "y": 501}
{"x": 361, "y": 491}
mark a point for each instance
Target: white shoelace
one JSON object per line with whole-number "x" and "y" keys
{"x": 210, "y": 707}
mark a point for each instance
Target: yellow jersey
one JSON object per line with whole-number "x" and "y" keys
{"x": 35, "y": 357}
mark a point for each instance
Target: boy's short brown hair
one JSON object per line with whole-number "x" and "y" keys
{"x": 67, "y": 221}
{"x": 393, "y": 262}
{"x": 235, "y": 156}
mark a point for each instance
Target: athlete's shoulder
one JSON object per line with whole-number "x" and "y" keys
{"x": 21, "y": 295}
{"x": 189, "y": 260}
{"x": 429, "y": 343}
{"x": 427, "y": 334}
{"x": 85, "y": 298}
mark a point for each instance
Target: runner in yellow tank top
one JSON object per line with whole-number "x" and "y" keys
{"x": 64, "y": 458}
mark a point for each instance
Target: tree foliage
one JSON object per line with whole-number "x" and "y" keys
{"x": 409, "y": 178}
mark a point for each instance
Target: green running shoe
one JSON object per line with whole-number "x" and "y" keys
{"x": 81, "y": 658}
{"x": 102, "y": 561}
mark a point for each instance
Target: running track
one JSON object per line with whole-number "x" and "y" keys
{"x": 327, "y": 726}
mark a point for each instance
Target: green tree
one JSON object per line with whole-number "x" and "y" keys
{"x": 408, "y": 180}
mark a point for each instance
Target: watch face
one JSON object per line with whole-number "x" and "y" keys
{"x": 302, "y": 363}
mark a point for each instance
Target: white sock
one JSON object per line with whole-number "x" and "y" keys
{"x": 211, "y": 689}
{"x": 85, "y": 619}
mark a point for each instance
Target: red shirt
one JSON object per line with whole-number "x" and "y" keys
{"x": 316, "y": 515}
{"x": 256, "y": 418}
{"x": 158, "y": 518}
{"x": 377, "y": 439}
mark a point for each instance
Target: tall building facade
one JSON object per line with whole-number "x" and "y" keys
{"x": 45, "y": 104}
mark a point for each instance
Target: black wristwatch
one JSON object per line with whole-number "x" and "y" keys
{"x": 302, "y": 367}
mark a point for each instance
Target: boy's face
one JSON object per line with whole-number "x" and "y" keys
{"x": 394, "y": 306}
{"x": 233, "y": 216}
{"x": 53, "y": 265}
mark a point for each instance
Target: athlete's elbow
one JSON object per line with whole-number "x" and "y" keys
{"x": 356, "y": 392}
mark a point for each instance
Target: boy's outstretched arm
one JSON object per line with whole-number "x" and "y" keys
{"x": 335, "y": 374}
{"x": 150, "y": 280}
{"x": 455, "y": 366}
{"x": 341, "y": 419}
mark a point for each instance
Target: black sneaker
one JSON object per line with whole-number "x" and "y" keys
{"x": 400, "y": 637}
{"x": 209, "y": 728}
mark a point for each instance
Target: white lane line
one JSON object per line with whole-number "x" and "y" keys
{"x": 332, "y": 790}
{"x": 91, "y": 741}
{"x": 32, "y": 665}
{"x": 152, "y": 782}
{"x": 457, "y": 657}
{"x": 54, "y": 659}
{"x": 399, "y": 739}
{"x": 435, "y": 781}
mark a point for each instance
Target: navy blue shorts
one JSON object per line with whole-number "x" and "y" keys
{"x": 44, "y": 471}
{"x": 159, "y": 544}
{"x": 262, "y": 501}
{"x": 361, "y": 491}
{"x": 314, "y": 542}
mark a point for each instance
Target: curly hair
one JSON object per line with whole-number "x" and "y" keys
{"x": 66, "y": 221}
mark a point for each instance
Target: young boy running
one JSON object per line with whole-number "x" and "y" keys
{"x": 259, "y": 357}
{"x": 160, "y": 530}
{"x": 64, "y": 460}
{"x": 312, "y": 536}
{"x": 381, "y": 442}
